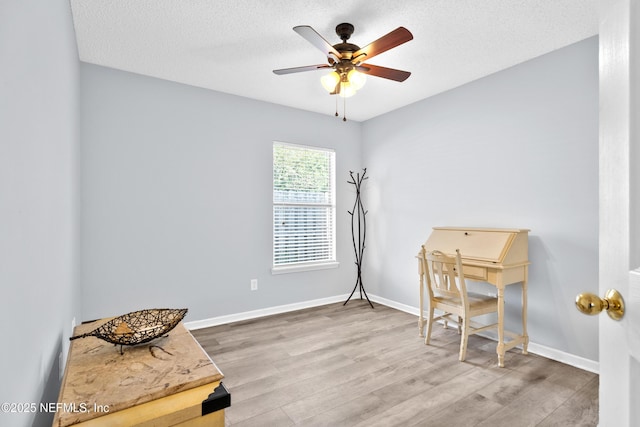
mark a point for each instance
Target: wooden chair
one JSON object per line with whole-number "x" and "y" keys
{"x": 447, "y": 292}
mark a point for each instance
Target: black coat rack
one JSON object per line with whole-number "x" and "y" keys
{"x": 358, "y": 220}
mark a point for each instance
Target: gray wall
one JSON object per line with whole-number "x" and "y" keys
{"x": 516, "y": 149}
{"x": 39, "y": 116}
{"x": 176, "y": 197}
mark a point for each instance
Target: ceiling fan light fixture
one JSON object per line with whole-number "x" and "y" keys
{"x": 329, "y": 81}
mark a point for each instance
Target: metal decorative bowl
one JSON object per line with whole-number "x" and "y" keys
{"x": 137, "y": 327}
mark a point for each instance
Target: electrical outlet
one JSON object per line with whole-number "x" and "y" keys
{"x": 254, "y": 284}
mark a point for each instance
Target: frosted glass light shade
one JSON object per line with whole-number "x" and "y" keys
{"x": 330, "y": 81}
{"x": 357, "y": 79}
{"x": 346, "y": 90}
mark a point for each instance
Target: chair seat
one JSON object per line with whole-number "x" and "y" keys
{"x": 477, "y": 302}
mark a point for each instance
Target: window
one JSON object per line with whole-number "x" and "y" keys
{"x": 303, "y": 208}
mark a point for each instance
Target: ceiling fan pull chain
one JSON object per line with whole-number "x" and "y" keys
{"x": 336, "y": 106}
{"x": 344, "y": 109}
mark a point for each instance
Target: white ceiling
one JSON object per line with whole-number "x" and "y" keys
{"x": 232, "y": 46}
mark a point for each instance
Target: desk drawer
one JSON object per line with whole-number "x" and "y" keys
{"x": 473, "y": 272}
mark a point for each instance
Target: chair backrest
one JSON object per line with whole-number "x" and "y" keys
{"x": 442, "y": 271}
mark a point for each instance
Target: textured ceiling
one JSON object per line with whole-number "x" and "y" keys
{"x": 232, "y": 46}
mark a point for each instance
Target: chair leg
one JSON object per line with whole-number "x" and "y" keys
{"x": 459, "y": 325}
{"x": 465, "y": 338}
{"x": 427, "y": 336}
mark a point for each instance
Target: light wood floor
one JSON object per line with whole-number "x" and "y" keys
{"x": 355, "y": 366}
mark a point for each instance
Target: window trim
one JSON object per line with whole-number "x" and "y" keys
{"x": 307, "y": 266}
{"x": 310, "y": 265}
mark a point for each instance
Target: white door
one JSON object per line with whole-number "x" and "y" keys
{"x": 619, "y": 234}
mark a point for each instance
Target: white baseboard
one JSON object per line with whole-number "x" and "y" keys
{"x": 393, "y": 304}
{"x": 540, "y": 350}
{"x": 254, "y": 314}
{"x": 566, "y": 358}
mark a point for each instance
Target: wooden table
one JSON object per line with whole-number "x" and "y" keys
{"x": 167, "y": 382}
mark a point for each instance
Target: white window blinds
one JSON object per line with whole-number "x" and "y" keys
{"x": 303, "y": 205}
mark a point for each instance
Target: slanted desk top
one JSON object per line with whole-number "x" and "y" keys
{"x": 99, "y": 382}
{"x": 496, "y": 248}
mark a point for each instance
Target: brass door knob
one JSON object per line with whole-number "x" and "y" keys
{"x": 592, "y": 304}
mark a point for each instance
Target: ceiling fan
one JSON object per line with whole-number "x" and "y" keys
{"x": 347, "y": 60}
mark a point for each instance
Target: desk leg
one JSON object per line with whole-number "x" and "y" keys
{"x": 421, "y": 316}
{"x": 500, "y": 348}
{"x": 525, "y": 337}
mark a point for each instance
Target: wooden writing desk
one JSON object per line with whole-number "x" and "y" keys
{"x": 493, "y": 255}
{"x": 166, "y": 382}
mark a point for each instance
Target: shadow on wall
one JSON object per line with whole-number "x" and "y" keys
{"x": 539, "y": 290}
{"x": 51, "y": 389}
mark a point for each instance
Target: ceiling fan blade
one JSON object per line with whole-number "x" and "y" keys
{"x": 389, "y": 41}
{"x": 317, "y": 40}
{"x": 384, "y": 72}
{"x": 301, "y": 69}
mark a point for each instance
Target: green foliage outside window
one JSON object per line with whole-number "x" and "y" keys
{"x": 301, "y": 170}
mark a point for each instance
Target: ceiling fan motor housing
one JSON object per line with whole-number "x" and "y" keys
{"x": 344, "y": 31}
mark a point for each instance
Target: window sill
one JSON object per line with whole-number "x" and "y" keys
{"x": 304, "y": 267}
